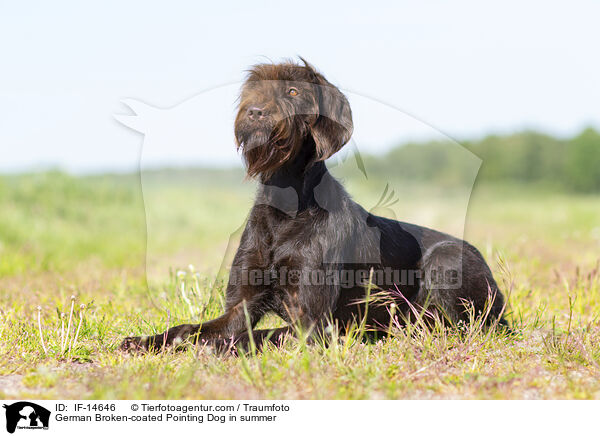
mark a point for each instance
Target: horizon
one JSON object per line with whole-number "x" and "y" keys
{"x": 239, "y": 166}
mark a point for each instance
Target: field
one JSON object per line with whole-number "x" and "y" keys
{"x": 137, "y": 264}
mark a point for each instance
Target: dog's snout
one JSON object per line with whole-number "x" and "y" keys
{"x": 256, "y": 113}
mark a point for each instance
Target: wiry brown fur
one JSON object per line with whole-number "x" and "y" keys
{"x": 317, "y": 110}
{"x": 303, "y": 220}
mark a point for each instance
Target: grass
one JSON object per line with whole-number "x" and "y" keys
{"x": 85, "y": 237}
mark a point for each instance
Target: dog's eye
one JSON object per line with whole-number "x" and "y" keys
{"x": 293, "y": 92}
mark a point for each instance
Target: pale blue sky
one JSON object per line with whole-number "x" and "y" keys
{"x": 466, "y": 68}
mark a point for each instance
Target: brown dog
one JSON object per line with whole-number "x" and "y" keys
{"x": 308, "y": 251}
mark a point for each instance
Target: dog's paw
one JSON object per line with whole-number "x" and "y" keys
{"x": 133, "y": 344}
{"x": 217, "y": 347}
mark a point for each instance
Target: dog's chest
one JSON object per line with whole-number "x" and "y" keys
{"x": 291, "y": 242}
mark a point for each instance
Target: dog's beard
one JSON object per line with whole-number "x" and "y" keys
{"x": 253, "y": 139}
{"x": 265, "y": 150}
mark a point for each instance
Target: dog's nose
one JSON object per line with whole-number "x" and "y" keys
{"x": 256, "y": 113}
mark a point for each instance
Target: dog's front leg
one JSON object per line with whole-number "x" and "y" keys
{"x": 243, "y": 342}
{"x": 227, "y": 326}
{"x": 173, "y": 336}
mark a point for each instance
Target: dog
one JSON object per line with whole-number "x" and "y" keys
{"x": 309, "y": 253}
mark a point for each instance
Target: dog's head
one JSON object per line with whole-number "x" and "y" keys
{"x": 286, "y": 108}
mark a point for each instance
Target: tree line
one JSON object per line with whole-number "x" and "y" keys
{"x": 525, "y": 157}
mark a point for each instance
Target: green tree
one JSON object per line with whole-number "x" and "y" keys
{"x": 583, "y": 162}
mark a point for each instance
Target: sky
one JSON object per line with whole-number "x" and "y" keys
{"x": 411, "y": 70}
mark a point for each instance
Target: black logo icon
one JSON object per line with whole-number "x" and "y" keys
{"x": 26, "y": 415}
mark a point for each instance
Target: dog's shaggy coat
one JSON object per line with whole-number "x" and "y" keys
{"x": 308, "y": 251}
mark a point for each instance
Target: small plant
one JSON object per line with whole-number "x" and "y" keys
{"x": 66, "y": 341}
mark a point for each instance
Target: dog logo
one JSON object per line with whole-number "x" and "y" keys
{"x": 26, "y": 415}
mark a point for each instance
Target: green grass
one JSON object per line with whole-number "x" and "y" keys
{"x": 62, "y": 236}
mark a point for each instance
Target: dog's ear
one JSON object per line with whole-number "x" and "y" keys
{"x": 333, "y": 127}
